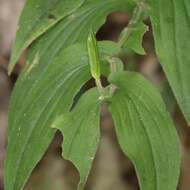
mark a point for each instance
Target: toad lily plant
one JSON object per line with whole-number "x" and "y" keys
{"x": 63, "y": 54}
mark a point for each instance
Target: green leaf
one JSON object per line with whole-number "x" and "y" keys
{"x": 171, "y": 23}
{"x": 36, "y": 18}
{"x": 71, "y": 28}
{"x": 62, "y": 35}
{"x": 108, "y": 48}
{"x": 81, "y": 132}
{"x": 36, "y": 102}
{"x": 145, "y": 131}
{"x": 132, "y": 35}
{"x": 134, "y": 42}
{"x": 29, "y": 122}
{"x": 66, "y": 16}
{"x": 47, "y": 86}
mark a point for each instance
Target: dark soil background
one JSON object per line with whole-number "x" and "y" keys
{"x": 111, "y": 169}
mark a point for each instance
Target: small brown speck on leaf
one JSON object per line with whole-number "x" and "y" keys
{"x": 52, "y": 17}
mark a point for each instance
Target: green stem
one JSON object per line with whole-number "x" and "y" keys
{"x": 137, "y": 16}
{"x": 104, "y": 93}
{"x": 112, "y": 66}
{"x": 99, "y": 86}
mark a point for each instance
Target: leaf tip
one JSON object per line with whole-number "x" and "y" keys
{"x": 10, "y": 69}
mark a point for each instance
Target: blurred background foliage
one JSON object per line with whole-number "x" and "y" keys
{"x": 111, "y": 169}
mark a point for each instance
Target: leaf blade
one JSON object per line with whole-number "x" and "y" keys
{"x": 29, "y": 126}
{"x": 134, "y": 42}
{"x": 81, "y": 132}
{"x": 39, "y": 111}
{"x": 143, "y": 127}
{"x": 38, "y": 72}
{"x": 47, "y": 14}
{"x": 171, "y": 31}
{"x": 66, "y": 33}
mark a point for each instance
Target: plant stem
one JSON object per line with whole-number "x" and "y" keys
{"x": 137, "y": 16}
{"x": 99, "y": 86}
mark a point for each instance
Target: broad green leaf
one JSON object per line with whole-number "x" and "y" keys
{"x": 145, "y": 131}
{"x": 68, "y": 31}
{"x": 81, "y": 133}
{"x": 32, "y": 74}
{"x": 29, "y": 123}
{"x": 36, "y": 18}
{"x": 134, "y": 42}
{"x": 75, "y": 27}
{"x": 171, "y": 23}
{"x": 45, "y": 91}
{"x": 36, "y": 102}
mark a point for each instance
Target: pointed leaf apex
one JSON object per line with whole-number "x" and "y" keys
{"x": 93, "y": 55}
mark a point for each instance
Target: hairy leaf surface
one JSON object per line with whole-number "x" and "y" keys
{"x": 145, "y": 131}
{"x": 171, "y": 23}
{"x": 81, "y": 133}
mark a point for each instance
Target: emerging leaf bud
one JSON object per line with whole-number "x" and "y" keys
{"x": 93, "y": 53}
